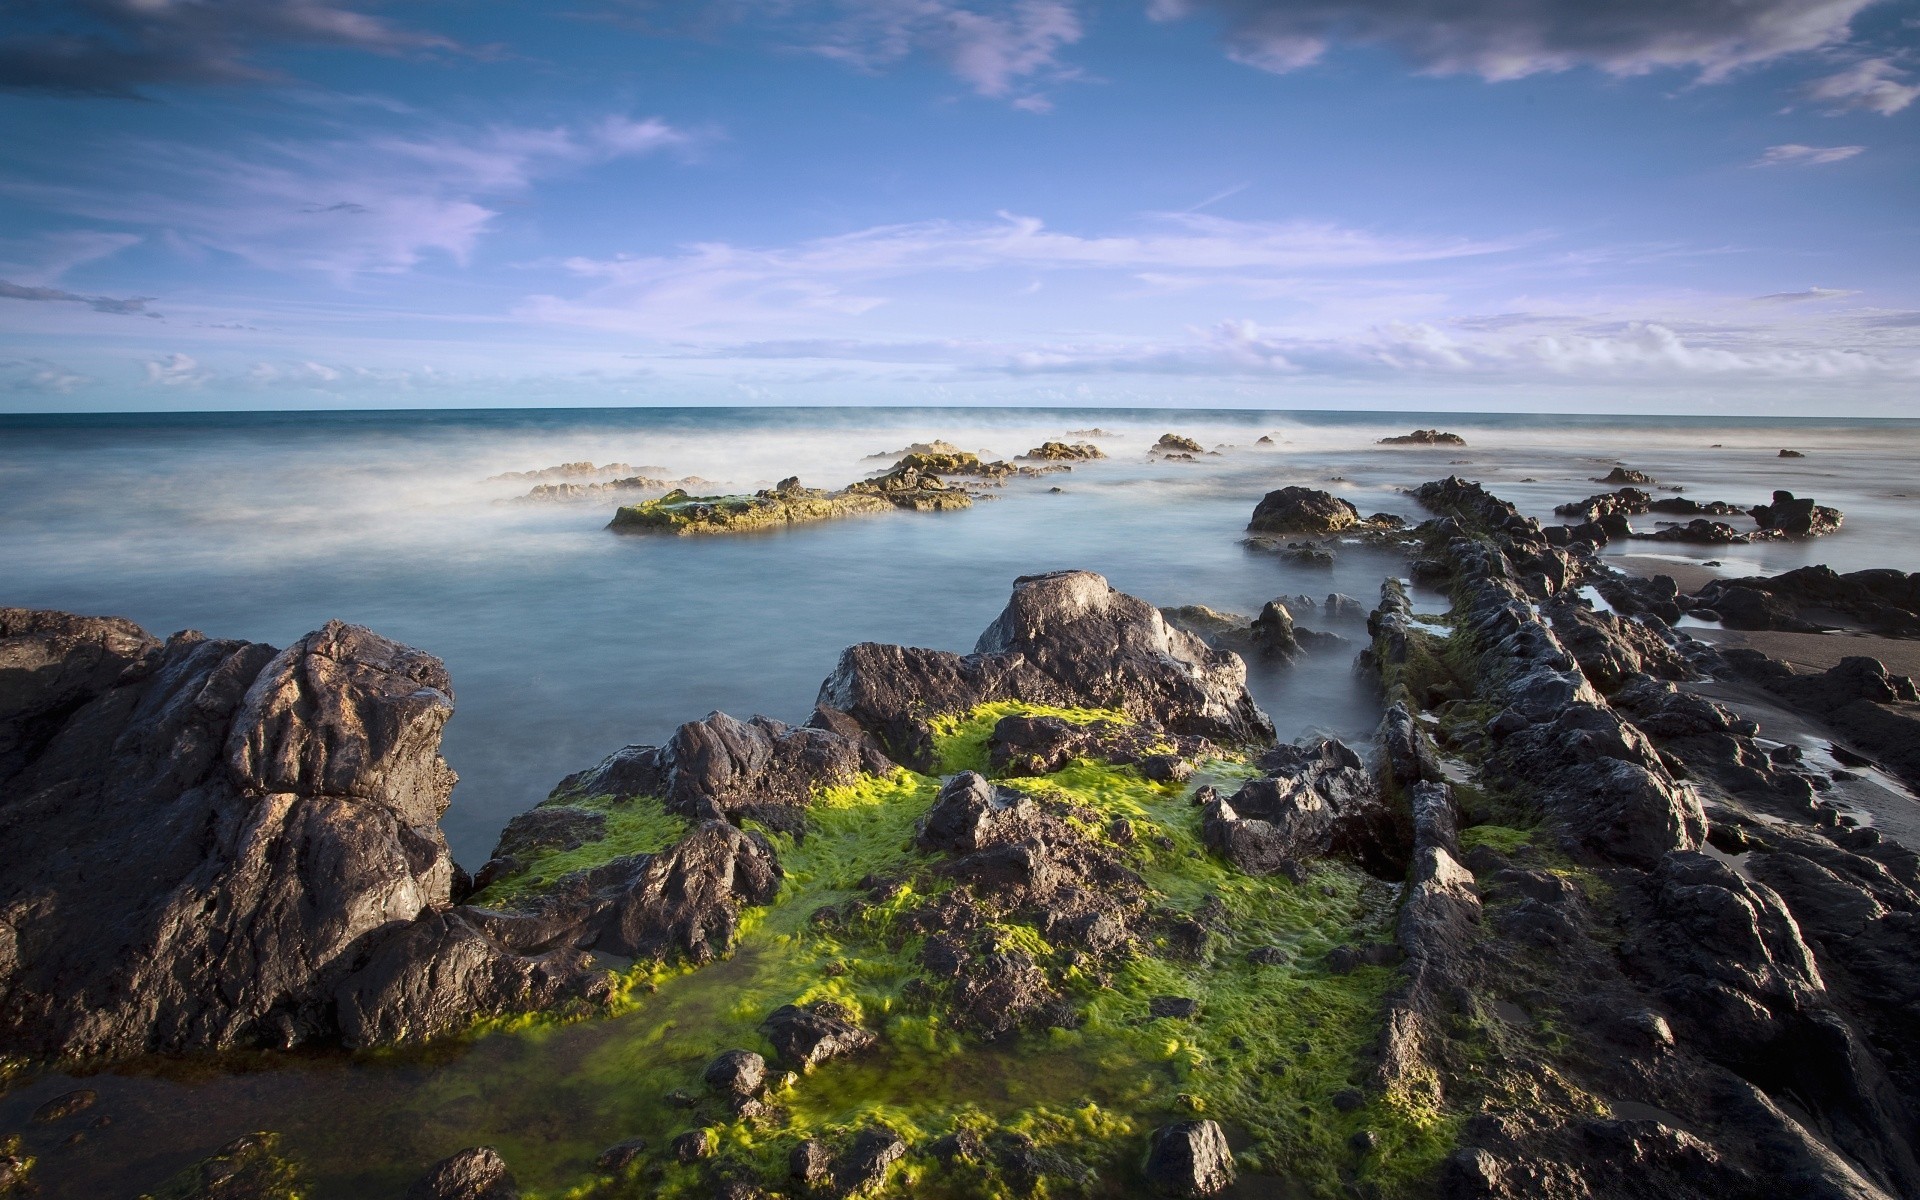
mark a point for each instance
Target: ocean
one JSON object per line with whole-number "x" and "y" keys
{"x": 566, "y": 641}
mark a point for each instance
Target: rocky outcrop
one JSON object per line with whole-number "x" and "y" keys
{"x": 1065, "y": 639}
{"x": 771, "y": 508}
{"x": 1173, "y": 443}
{"x": 1869, "y": 707}
{"x": 1748, "y": 1021}
{"x": 286, "y": 881}
{"x": 1809, "y": 598}
{"x": 1065, "y": 452}
{"x": 289, "y": 804}
{"x": 805, "y": 1037}
{"x": 1627, "y": 475}
{"x": 1793, "y": 516}
{"x": 1311, "y": 801}
{"x": 1424, "y": 437}
{"x": 722, "y": 768}
{"x": 1302, "y": 510}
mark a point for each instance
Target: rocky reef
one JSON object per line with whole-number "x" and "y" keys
{"x": 788, "y": 504}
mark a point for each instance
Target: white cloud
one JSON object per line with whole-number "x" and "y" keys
{"x": 177, "y": 370}
{"x": 39, "y": 375}
{"x": 839, "y": 276}
{"x": 1873, "y": 84}
{"x": 1510, "y": 39}
{"x": 1812, "y": 293}
{"x": 1794, "y": 155}
{"x": 340, "y": 206}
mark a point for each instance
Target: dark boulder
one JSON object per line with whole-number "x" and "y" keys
{"x": 805, "y": 1037}
{"x": 476, "y": 1174}
{"x": 1273, "y": 632}
{"x": 1189, "y": 1160}
{"x": 736, "y": 1073}
{"x": 619, "y": 1156}
{"x": 1424, "y": 437}
{"x": 1699, "y": 532}
{"x": 1796, "y": 517}
{"x": 1302, "y": 510}
{"x": 1627, "y": 475}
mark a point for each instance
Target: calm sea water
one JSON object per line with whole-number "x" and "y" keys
{"x": 566, "y": 641}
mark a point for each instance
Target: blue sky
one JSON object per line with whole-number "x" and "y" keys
{"x": 1643, "y": 205}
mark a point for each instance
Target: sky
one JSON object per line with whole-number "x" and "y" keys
{"x": 1528, "y": 205}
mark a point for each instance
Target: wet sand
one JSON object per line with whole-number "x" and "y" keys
{"x": 1819, "y": 651}
{"x": 1690, "y": 576}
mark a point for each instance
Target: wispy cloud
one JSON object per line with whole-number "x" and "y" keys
{"x": 1511, "y": 39}
{"x": 1801, "y": 297}
{"x": 128, "y": 306}
{"x": 343, "y": 206}
{"x": 722, "y": 283}
{"x": 1873, "y": 85}
{"x": 177, "y": 370}
{"x": 1794, "y": 155}
{"x": 117, "y": 47}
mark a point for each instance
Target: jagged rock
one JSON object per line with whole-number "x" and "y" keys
{"x": 1302, "y": 510}
{"x": 1065, "y": 639}
{"x": 1273, "y": 633}
{"x": 694, "y": 1145}
{"x": 550, "y": 827}
{"x": 1189, "y": 1159}
{"x": 1796, "y": 517}
{"x": 476, "y": 1174}
{"x": 1808, "y": 598}
{"x": 1171, "y": 443}
{"x": 1871, "y": 708}
{"x": 288, "y": 824}
{"x": 1612, "y": 650}
{"x": 1314, "y": 800}
{"x": 805, "y": 1037}
{"x": 811, "y": 1162}
{"x": 1424, "y": 437}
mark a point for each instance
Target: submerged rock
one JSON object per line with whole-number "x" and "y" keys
{"x": 1189, "y": 1159}
{"x": 249, "y": 1168}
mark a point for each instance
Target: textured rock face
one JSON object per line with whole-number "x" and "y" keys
{"x": 1064, "y": 639}
{"x": 288, "y": 810}
{"x": 1313, "y": 800}
{"x": 1190, "y": 1159}
{"x": 1796, "y": 516}
{"x": 216, "y": 844}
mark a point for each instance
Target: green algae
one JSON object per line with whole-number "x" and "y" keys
{"x": 1503, "y": 838}
{"x": 680, "y": 514}
{"x": 637, "y": 826}
{"x": 1272, "y": 1045}
{"x": 960, "y": 739}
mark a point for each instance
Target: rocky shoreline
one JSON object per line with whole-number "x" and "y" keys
{"x": 1567, "y": 928}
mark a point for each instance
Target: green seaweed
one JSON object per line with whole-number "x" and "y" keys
{"x": 960, "y": 739}
{"x": 248, "y": 1168}
{"x": 640, "y": 825}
